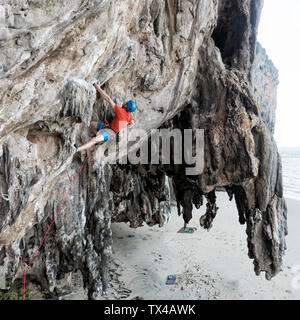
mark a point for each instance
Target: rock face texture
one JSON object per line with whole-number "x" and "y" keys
{"x": 188, "y": 65}
{"x": 265, "y": 83}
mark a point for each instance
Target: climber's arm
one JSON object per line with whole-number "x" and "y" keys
{"x": 104, "y": 95}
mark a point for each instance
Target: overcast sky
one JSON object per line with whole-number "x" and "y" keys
{"x": 279, "y": 34}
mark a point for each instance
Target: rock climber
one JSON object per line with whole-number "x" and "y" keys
{"x": 122, "y": 119}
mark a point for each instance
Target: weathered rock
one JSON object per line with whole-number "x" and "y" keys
{"x": 235, "y": 34}
{"x": 265, "y": 82}
{"x": 188, "y": 65}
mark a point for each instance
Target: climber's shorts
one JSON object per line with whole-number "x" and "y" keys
{"x": 102, "y": 125}
{"x": 107, "y": 134}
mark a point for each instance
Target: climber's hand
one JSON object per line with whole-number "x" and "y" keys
{"x": 131, "y": 124}
{"x": 104, "y": 95}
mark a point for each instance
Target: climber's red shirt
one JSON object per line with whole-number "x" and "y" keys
{"x": 121, "y": 118}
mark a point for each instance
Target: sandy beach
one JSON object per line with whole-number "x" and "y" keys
{"x": 209, "y": 265}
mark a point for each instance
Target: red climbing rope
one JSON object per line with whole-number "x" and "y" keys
{"x": 24, "y": 289}
{"x": 27, "y": 266}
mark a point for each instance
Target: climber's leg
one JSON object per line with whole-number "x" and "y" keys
{"x": 98, "y": 139}
{"x": 103, "y": 135}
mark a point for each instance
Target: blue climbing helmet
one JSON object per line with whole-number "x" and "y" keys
{"x": 131, "y": 106}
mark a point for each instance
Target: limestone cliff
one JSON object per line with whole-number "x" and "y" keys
{"x": 188, "y": 65}
{"x": 265, "y": 82}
